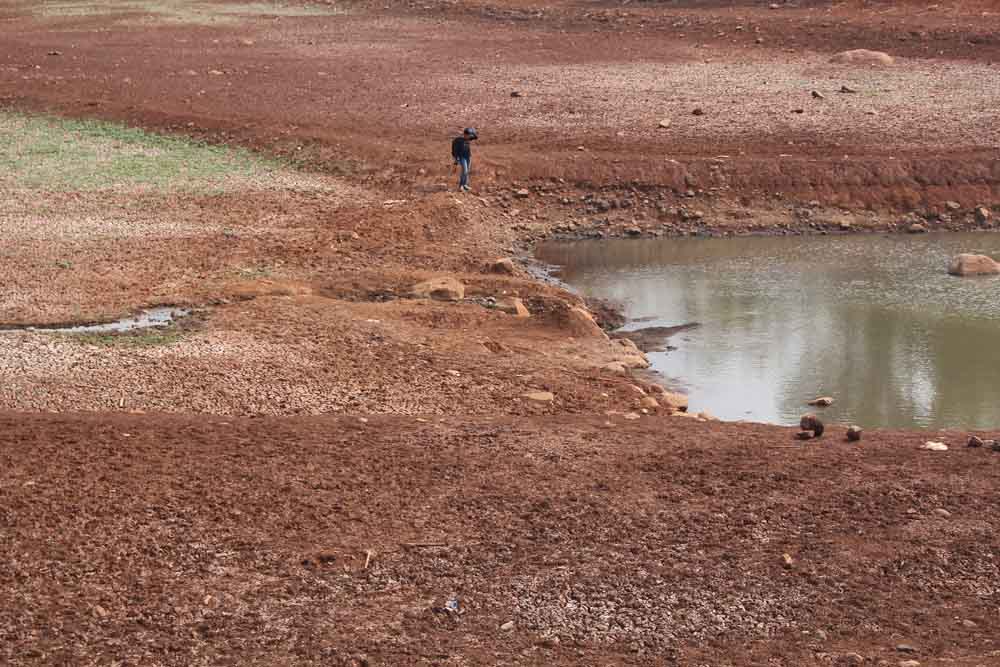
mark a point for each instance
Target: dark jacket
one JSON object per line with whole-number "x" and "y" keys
{"x": 460, "y": 149}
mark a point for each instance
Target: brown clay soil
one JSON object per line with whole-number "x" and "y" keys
{"x": 318, "y": 467}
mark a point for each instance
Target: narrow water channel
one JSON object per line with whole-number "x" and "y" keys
{"x": 873, "y": 321}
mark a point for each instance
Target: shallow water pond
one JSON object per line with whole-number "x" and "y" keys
{"x": 873, "y": 321}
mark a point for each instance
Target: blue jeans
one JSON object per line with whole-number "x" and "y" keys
{"x": 465, "y": 164}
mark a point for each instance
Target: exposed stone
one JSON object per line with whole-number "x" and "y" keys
{"x": 916, "y": 228}
{"x": 995, "y": 446}
{"x": 513, "y": 306}
{"x": 539, "y": 396}
{"x": 504, "y": 265}
{"x": 665, "y": 123}
{"x": 968, "y": 264}
{"x": 522, "y": 193}
{"x": 632, "y": 416}
{"x": 862, "y": 57}
{"x": 846, "y": 89}
{"x": 822, "y": 401}
{"x": 909, "y": 663}
{"x": 969, "y": 623}
{"x": 942, "y": 512}
{"x": 582, "y": 324}
{"x": 974, "y": 441}
{"x": 516, "y": 93}
{"x": 818, "y": 95}
{"x": 674, "y": 401}
{"x": 440, "y": 289}
{"x": 854, "y": 434}
{"x": 810, "y": 422}
{"x": 804, "y": 435}
{"x": 614, "y": 367}
{"x": 698, "y": 112}
{"x": 953, "y": 206}
{"x": 906, "y": 648}
{"x": 982, "y": 214}
{"x": 707, "y": 416}
{"x": 649, "y": 402}
{"x": 932, "y": 446}
{"x": 507, "y": 627}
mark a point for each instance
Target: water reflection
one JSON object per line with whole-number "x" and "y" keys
{"x": 873, "y": 320}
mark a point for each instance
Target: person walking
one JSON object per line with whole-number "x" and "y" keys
{"x": 461, "y": 151}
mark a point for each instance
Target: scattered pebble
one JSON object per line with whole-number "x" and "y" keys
{"x": 854, "y": 433}
{"x": 932, "y": 446}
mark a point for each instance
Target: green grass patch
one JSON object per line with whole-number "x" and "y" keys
{"x": 177, "y": 11}
{"x": 140, "y": 338}
{"x": 72, "y": 155}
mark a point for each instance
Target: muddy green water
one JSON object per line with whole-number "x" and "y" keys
{"x": 874, "y": 321}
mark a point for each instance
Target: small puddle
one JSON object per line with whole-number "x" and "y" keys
{"x": 146, "y": 319}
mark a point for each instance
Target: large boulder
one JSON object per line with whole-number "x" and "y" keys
{"x": 439, "y": 289}
{"x": 973, "y": 265}
{"x": 862, "y": 57}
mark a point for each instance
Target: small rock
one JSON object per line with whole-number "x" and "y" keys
{"x": 539, "y": 396}
{"x": 504, "y": 266}
{"x": 516, "y": 93}
{"x": 632, "y": 416}
{"x": 453, "y": 373}
{"x": 969, "y": 623}
{"x": 822, "y": 401}
{"x": 909, "y": 663}
{"x": 916, "y": 228}
{"x": 787, "y": 561}
{"x": 821, "y": 635}
{"x": 674, "y": 401}
{"x": 649, "y": 402}
{"x": 974, "y": 441}
{"x": 995, "y": 446}
{"x": 54, "y": 53}
{"x": 953, "y": 206}
{"x": 845, "y": 89}
{"x": 804, "y": 435}
{"x": 633, "y": 231}
{"x": 513, "y": 306}
{"x": 854, "y": 434}
{"x": 862, "y": 57}
{"x": 759, "y": 40}
{"x": 508, "y": 626}
{"x": 439, "y": 289}
{"x": 665, "y": 123}
{"x": 852, "y": 659}
{"x": 982, "y": 214}
{"x": 943, "y": 513}
{"x": 905, "y": 648}
{"x": 522, "y": 193}
{"x": 798, "y": 110}
{"x": 698, "y": 112}
{"x": 932, "y": 446}
{"x": 614, "y": 367}
{"x": 818, "y": 95}
{"x": 968, "y": 264}
{"x": 809, "y": 422}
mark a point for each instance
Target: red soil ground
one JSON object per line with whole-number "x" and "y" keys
{"x": 221, "y": 536}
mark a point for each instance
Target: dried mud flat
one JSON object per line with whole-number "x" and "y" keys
{"x": 319, "y": 467}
